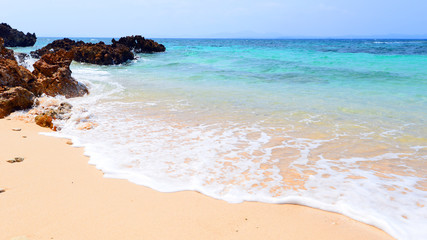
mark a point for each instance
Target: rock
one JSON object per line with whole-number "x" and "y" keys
{"x": 15, "y": 38}
{"x": 4, "y": 52}
{"x": 54, "y": 75}
{"x": 61, "y": 111}
{"x": 15, "y": 160}
{"x": 102, "y": 54}
{"x": 66, "y": 44}
{"x": 98, "y": 53}
{"x": 16, "y": 129}
{"x": 44, "y": 120}
{"x": 64, "y": 108}
{"x": 2, "y": 190}
{"x": 13, "y": 75}
{"x": 139, "y": 44}
{"x": 51, "y": 76}
{"x": 15, "y": 98}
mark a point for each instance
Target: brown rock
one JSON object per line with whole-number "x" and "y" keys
{"x": 44, "y": 121}
{"x": 4, "y": 52}
{"x": 15, "y": 160}
{"x": 15, "y": 98}
{"x": 13, "y": 75}
{"x": 54, "y": 75}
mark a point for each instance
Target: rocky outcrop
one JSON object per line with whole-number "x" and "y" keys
{"x": 13, "y": 75}
{"x": 95, "y": 53}
{"x": 102, "y": 54}
{"x": 15, "y": 98}
{"x": 51, "y": 76}
{"x": 66, "y": 44}
{"x": 4, "y": 52}
{"x": 139, "y": 44}
{"x": 16, "y": 84}
{"x": 15, "y": 38}
{"x": 54, "y": 75}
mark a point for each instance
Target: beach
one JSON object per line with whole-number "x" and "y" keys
{"x": 55, "y": 194}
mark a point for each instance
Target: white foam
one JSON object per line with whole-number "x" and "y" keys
{"x": 27, "y": 62}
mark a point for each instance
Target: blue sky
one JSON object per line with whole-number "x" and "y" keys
{"x": 216, "y": 18}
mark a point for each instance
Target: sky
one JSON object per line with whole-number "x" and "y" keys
{"x": 216, "y": 18}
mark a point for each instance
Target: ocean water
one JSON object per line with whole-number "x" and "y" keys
{"x": 339, "y": 125}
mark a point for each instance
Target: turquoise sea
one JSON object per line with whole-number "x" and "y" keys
{"x": 339, "y": 125}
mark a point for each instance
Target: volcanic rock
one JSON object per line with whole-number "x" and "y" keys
{"x": 15, "y": 98}
{"x": 54, "y": 75}
{"x": 139, "y": 44}
{"x": 15, "y": 38}
{"x": 98, "y": 53}
{"x": 66, "y": 44}
{"x": 102, "y": 54}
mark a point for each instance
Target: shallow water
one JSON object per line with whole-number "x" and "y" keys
{"x": 338, "y": 125}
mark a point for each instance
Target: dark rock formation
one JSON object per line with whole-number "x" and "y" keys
{"x": 102, "y": 54}
{"x": 15, "y": 98}
{"x": 54, "y": 75}
{"x": 139, "y": 44}
{"x": 98, "y": 53}
{"x": 15, "y": 38}
{"x": 66, "y": 44}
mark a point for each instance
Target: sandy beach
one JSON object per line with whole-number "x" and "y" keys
{"x": 55, "y": 194}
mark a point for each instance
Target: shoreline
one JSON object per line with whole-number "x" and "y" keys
{"x": 55, "y": 194}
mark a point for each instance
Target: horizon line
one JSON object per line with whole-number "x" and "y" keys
{"x": 403, "y": 37}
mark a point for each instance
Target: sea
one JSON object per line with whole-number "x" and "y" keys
{"x": 338, "y": 125}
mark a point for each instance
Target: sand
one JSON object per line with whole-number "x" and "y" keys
{"x": 55, "y": 194}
